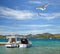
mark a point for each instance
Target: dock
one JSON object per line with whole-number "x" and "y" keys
{"x": 3, "y": 43}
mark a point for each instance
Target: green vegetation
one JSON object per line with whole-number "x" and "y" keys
{"x": 57, "y": 35}
{"x": 44, "y": 35}
{"x": 1, "y": 36}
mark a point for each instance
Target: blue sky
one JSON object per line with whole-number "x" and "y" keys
{"x": 21, "y": 17}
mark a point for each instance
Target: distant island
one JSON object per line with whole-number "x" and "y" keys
{"x": 44, "y": 35}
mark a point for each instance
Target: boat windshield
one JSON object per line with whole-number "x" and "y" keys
{"x": 24, "y": 41}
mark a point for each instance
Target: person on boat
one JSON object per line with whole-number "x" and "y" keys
{"x": 24, "y": 41}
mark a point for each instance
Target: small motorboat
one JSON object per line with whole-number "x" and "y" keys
{"x": 25, "y": 43}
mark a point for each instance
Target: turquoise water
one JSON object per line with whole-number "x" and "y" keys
{"x": 39, "y": 46}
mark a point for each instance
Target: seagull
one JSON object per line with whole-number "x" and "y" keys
{"x": 43, "y": 7}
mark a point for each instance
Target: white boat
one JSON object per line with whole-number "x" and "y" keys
{"x": 25, "y": 45}
{"x": 11, "y": 43}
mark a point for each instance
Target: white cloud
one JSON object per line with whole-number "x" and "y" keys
{"x": 9, "y": 30}
{"x": 24, "y": 26}
{"x": 25, "y": 14}
{"x": 25, "y": 32}
{"x": 49, "y": 16}
{"x": 53, "y": 31}
{"x": 18, "y": 14}
{"x": 36, "y": 25}
{"x": 35, "y": 2}
{"x": 23, "y": 29}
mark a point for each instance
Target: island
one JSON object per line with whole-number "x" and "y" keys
{"x": 44, "y": 35}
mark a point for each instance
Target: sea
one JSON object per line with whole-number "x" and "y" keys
{"x": 39, "y": 46}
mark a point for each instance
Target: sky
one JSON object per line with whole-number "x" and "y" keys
{"x": 22, "y": 17}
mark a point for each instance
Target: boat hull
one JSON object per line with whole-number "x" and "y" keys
{"x": 24, "y": 45}
{"x": 11, "y": 46}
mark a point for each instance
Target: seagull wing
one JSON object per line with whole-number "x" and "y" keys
{"x": 43, "y": 7}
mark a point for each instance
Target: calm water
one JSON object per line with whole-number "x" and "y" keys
{"x": 39, "y": 46}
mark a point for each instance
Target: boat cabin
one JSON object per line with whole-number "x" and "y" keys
{"x": 12, "y": 39}
{"x": 24, "y": 41}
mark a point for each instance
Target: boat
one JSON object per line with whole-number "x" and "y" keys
{"x": 11, "y": 43}
{"x": 25, "y": 43}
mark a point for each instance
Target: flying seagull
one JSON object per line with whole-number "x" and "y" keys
{"x": 43, "y": 7}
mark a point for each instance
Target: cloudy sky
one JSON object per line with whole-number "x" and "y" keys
{"x": 22, "y": 17}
